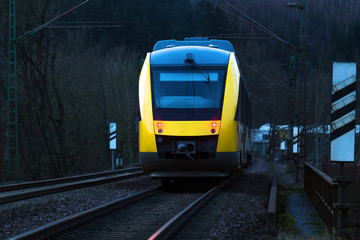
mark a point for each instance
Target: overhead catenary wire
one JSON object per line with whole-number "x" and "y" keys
{"x": 84, "y": 26}
{"x": 225, "y": 10}
{"x": 299, "y": 6}
{"x": 264, "y": 76}
{"x": 254, "y": 23}
{"x": 260, "y": 99}
{"x": 235, "y": 37}
{"x": 262, "y": 4}
{"x": 257, "y": 71}
{"x": 259, "y": 26}
{"x": 46, "y": 24}
{"x": 245, "y": 33}
{"x": 98, "y": 22}
{"x": 253, "y": 35}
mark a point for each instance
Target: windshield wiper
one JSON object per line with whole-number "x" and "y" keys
{"x": 190, "y": 60}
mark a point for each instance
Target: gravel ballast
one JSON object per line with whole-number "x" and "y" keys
{"x": 240, "y": 209}
{"x": 243, "y": 210}
{"x": 238, "y": 212}
{"x": 22, "y": 216}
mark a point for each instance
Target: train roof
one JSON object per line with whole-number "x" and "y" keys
{"x": 199, "y": 55}
{"x": 195, "y": 41}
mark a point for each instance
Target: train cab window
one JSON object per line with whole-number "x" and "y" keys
{"x": 187, "y": 90}
{"x": 187, "y": 93}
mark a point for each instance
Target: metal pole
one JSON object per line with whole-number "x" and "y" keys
{"x": 302, "y": 131}
{"x": 12, "y": 168}
{"x": 342, "y": 204}
{"x": 113, "y": 159}
{"x": 342, "y": 196}
{"x": 291, "y": 117}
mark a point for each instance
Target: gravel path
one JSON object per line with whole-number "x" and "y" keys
{"x": 25, "y": 215}
{"x": 278, "y": 169}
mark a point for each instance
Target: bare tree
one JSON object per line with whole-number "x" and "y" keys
{"x": 41, "y": 115}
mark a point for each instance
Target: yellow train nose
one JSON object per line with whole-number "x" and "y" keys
{"x": 187, "y": 128}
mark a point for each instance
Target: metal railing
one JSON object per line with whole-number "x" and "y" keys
{"x": 323, "y": 193}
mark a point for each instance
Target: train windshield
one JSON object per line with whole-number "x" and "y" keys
{"x": 188, "y": 93}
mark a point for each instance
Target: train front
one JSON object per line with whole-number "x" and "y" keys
{"x": 188, "y": 98}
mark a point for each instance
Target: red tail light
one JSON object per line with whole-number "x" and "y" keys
{"x": 159, "y": 124}
{"x": 213, "y": 124}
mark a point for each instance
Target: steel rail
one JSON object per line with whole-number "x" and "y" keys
{"x": 70, "y": 186}
{"x": 85, "y": 216}
{"x": 175, "y": 224}
{"x": 12, "y": 187}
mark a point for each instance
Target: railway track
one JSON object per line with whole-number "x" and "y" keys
{"x": 172, "y": 227}
{"x": 152, "y": 214}
{"x": 16, "y": 192}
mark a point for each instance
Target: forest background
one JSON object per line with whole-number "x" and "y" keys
{"x": 72, "y": 82}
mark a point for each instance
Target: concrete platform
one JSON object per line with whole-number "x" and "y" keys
{"x": 306, "y": 218}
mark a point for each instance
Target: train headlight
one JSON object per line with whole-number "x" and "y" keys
{"x": 213, "y": 130}
{"x": 181, "y": 147}
{"x": 190, "y": 147}
{"x": 159, "y": 139}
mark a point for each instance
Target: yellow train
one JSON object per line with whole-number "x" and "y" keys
{"x": 195, "y": 110}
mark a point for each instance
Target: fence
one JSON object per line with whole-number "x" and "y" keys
{"x": 323, "y": 193}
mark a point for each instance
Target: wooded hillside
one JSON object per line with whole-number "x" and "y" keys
{"x": 72, "y": 82}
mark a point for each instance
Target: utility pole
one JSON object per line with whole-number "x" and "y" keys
{"x": 301, "y": 117}
{"x": 12, "y": 163}
{"x": 291, "y": 114}
{"x": 302, "y": 131}
{"x": 12, "y": 156}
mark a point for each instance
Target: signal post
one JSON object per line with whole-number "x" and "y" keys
{"x": 342, "y": 134}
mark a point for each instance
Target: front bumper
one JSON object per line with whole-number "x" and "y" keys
{"x": 219, "y": 166}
